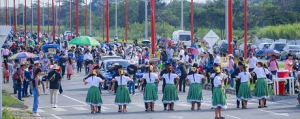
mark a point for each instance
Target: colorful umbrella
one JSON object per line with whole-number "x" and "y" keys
{"x": 85, "y": 40}
{"x": 23, "y": 55}
{"x": 268, "y": 52}
{"x": 194, "y": 51}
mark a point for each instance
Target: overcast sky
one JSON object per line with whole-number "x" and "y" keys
{"x": 28, "y": 1}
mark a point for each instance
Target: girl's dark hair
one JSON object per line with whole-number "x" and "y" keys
{"x": 70, "y": 61}
{"x": 244, "y": 69}
{"x": 5, "y": 64}
{"x": 241, "y": 59}
{"x": 37, "y": 71}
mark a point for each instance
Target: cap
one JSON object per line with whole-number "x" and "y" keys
{"x": 216, "y": 64}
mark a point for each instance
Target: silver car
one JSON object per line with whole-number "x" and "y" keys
{"x": 289, "y": 49}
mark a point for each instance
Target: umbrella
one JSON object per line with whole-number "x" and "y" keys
{"x": 85, "y": 40}
{"x": 268, "y": 52}
{"x": 23, "y": 55}
{"x": 194, "y": 51}
{"x": 5, "y": 45}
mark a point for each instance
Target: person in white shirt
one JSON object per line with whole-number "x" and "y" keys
{"x": 93, "y": 97}
{"x": 195, "y": 90}
{"x": 170, "y": 95}
{"x": 88, "y": 57}
{"x": 122, "y": 98}
{"x": 216, "y": 58}
{"x": 200, "y": 50}
{"x": 244, "y": 93}
{"x": 150, "y": 93}
{"x": 261, "y": 88}
{"x": 181, "y": 52}
{"x": 251, "y": 65}
{"x": 218, "y": 97}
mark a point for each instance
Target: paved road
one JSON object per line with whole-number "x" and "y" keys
{"x": 72, "y": 106}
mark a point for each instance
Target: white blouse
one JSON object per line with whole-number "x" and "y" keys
{"x": 93, "y": 81}
{"x": 124, "y": 80}
{"x": 244, "y": 76}
{"x": 171, "y": 79}
{"x": 217, "y": 81}
{"x": 196, "y": 78}
{"x": 151, "y": 78}
{"x": 223, "y": 76}
{"x": 261, "y": 72}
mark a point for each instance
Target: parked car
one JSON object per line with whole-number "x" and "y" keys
{"x": 277, "y": 46}
{"x": 262, "y": 46}
{"x": 222, "y": 46}
{"x": 289, "y": 49}
{"x": 241, "y": 48}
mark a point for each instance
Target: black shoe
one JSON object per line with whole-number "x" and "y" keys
{"x": 238, "y": 107}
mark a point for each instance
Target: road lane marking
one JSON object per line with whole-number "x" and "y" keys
{"x": 74, "y": 99}
{"x": 184, "y": 105}
{"x": 64, "y": 106}
{"x": 233, "y": 117}
{"x": 59, "y": 109}
{"x": 274, "y": 113}
{"x": 56, "y": 117}
{"x": 79, "y": 108}
{"x": 140, "y": 105}
{"x": 40, "y": 111}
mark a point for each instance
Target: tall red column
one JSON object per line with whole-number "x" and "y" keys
{"x": 153, "y": 30}
{"x": 192, "y": 21}
{"x": 15, "y": 17}
{"x": 25, "y": 22}
{"x": 58, "y": 17}
{"x": 71, "y": 17}
{"x": 229, "y": 26}
{"x": 53, "y": 20}
{"x": 86, "y": 18}
{"x": 245, "y": 27}
{"x": 107, "y": 21}
{"x": 126, "y": 20}
{"x": 103, "y": 21}
{"x": 48, "y": 17}
{"x": 77, "y": 18}
{"x": 38, "y": 20}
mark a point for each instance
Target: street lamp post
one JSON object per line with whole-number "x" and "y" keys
{"x": 39, "y": 21}
{"x": 181, "y": 24}
{"x": 230, "y": 26}
{"x": 153, "y": 29}
{"x": 53, "y": 20}
{"x": 90, "y": 18}
{"x": 107, "y": 21}
{"x": 116, "y": 20}
{"x": 126, "y": 20}
{"x": 25, "y": 22}
{"x": 77, "y": 18}
{"x": 245, "y": 27}
{"x": 146, "y": 19}
{"x": 192, "y": 21}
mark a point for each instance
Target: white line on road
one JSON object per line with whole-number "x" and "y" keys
{"x": 40, "y": 111}
{"x": 64, "y": 106}
{"x": 74, "y": 99}
{"x": 233, "y": 117}
{"x": 56, "y": 117}
{"x": 274, "y": 113}
{"x": 80, "y": 108}
{"x": 59, "y": 109}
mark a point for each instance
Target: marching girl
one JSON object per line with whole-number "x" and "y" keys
{"x": 195, "y": 91}
{"x": 150, "y": 92}
{"x": 244, "y": 93}
{"x": 219, "y": 97}
{"x": 261, "y": 88}
{"x": 170, "y": 93}
{"x": 93, "y": 97}
{"x": 122, "y": 98}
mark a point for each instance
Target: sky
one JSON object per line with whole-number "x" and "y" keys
{"x": 28, "y": 1}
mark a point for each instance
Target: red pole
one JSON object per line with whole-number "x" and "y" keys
{"x": 86, "y": 16}
{"x": 245, "y": 27}
{"x": 126, "y": 21}
{"x": 71, "y": 17}
{"x": 229, "y": 26}
{"x": 153, "y": 32}
{"x": 25, "y": 20}
{"x": 48, "y": 17}
{"x": 53, "y": 20}
{"x": 77, "y": 18}
{"x": 39, "y": 21}
{"x": 103, "y": 21}
{"x": 107, "y": 21}
{"x": 15, "y": 18}
{"x": 192, "y": 21}
{"x": 58, "y": 16}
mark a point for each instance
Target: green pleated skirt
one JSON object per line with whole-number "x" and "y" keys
{"x": 219, "y": 98}
{"x": 150, "y": 93}
{"x": 244, "y": 92}
{"x": 195, "y": 93}
{"x": 170, "y": 94}
{"x": 93, "y": 96}
{"x": 261, "y": 89}
{"x": 122, "y": 95}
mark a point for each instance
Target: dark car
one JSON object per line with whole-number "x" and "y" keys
{"x": 222, "y": 46}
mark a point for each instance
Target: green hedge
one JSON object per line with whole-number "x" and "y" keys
{"x": 288, "y": 31}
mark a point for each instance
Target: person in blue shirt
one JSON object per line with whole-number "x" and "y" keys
{"x": 79, "y": 60}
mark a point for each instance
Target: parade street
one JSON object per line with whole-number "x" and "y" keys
{"x": 71, "y": 105}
